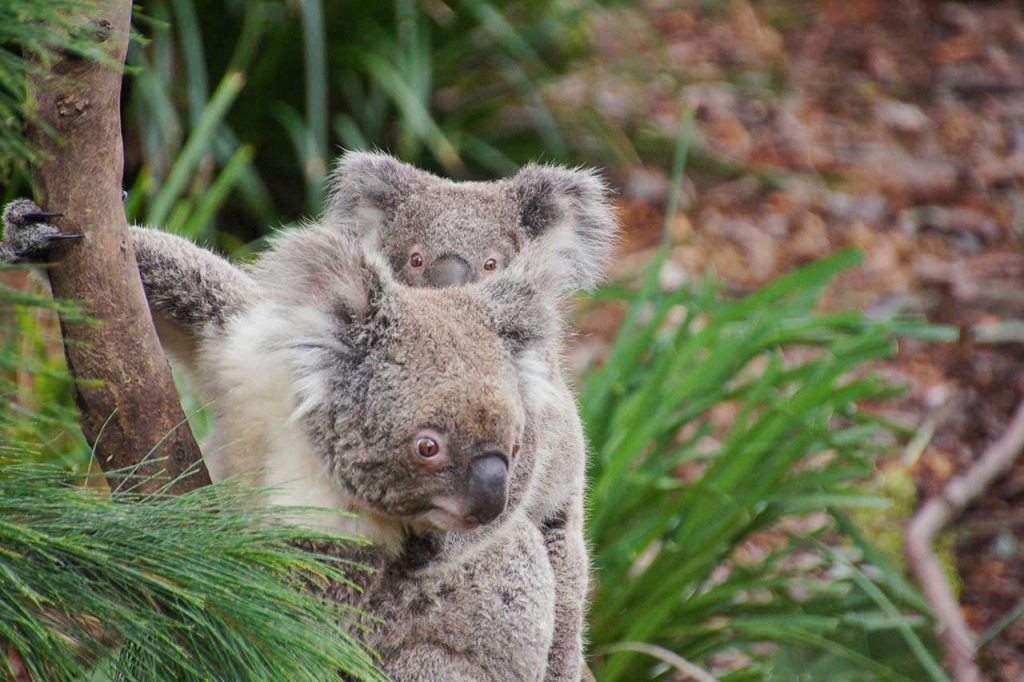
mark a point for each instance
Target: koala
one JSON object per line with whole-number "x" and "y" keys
{"x": 412, "y": 408}
{"x": 439, "y": 233}
{"x": 435, "y": 233}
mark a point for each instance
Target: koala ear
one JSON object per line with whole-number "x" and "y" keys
{"x": 364, "y": 187}
{"x": 325, "y": 269}
{"x": 566, "y": 212}
{"x": 523, "y": 304}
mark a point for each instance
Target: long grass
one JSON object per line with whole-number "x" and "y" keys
{"x": 201, "y": 586}
{"x": 727, "y": 441}
{"x": 209, "y": 585}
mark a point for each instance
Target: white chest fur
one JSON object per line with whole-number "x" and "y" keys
{"x": 250, "y": 389}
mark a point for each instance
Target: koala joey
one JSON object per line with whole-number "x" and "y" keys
{"x": 413, "y": 408}
{"x": 430, "y": 233}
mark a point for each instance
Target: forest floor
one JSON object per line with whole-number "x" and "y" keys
{"x": 896, "y": 127}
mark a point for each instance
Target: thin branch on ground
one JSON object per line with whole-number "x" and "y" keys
{"x": 690, "y": 670}
{"x": 932, "y": 517}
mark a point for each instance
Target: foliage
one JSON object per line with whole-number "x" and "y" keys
{"x": 727, "y": 440}
{"x": 434, "y": 82}
{"x": 199, "y": 586}
{"x": 37, "y": 420}
{"x": 194, "y": 586}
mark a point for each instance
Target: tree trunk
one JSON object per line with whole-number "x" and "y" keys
{"x": 134, "y": 413}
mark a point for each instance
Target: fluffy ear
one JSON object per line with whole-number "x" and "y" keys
{"x": 326, "y": 269}
{"x": 523, "y": 304}
{"x": 566, "y": 212}
{"x": 364, "y": 186}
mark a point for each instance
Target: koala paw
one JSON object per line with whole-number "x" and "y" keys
{"x": 28, "y": 236}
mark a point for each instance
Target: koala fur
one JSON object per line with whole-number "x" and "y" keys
{"x": 325, "y": 373}
{"x": 398, "y": 211}
{"x": 352, "y": 365}
{"x": 455, "y": 228}
{"x": 542, "y": 215}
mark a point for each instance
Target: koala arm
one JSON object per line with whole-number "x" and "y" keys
{"x": 190, "y": 290}
{"x": 567, "y": 553}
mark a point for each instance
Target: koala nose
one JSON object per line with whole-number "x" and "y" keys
{"x": 488, "y": 487}
{"x": 448, "y": 271}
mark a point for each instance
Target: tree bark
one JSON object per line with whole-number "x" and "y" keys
{"x": 133, "y": 415}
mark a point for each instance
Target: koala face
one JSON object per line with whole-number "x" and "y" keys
{"x": 436, "y": 433}
{"x": 448, "y": 235}
{"x": 435, "y": 232}
{"x": 412, "y": 397}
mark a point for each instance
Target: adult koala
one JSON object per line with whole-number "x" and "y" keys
{"x": 437, "y": 233}
{"x": 411, "y": 407}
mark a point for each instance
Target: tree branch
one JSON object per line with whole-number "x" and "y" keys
{"x": 134, "y": 415}
{"x": 932, "y": 517}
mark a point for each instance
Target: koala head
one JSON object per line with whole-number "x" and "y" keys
{"x": 435, "y": 232}
{"x": 414, "y": 398}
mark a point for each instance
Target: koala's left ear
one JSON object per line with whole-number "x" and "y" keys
{"x": 566, "y": 212}
{"x": 326, "y": 270}
{"x": 523, "y": 307}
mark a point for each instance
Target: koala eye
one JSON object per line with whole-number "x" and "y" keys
{"x": 490, "y": 264}
{"x": 515, "y": 448}
{"x": 427, "y": 447}
{"x": 416, "y": 260}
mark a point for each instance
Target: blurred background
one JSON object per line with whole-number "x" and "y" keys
{"x": 763, "y": 422}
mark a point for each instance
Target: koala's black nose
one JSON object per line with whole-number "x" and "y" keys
{"x": 488, "y": 487}
{"x": 448, "y": 271}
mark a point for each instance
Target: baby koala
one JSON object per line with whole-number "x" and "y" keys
{"x": 412, "y": 408}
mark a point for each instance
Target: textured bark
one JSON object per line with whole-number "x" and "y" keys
{"x": 134, "y": 414}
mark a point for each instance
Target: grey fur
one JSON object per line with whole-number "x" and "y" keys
{"x": 549, "y": 229}
{"x": 339, "y": 368}
{"x": 29, "y": 238}
{"x": 371, "y": 362}
{"x": 401, "y": 209}
{"x": 542, "y": 212}
{"x": 190, "y": 290}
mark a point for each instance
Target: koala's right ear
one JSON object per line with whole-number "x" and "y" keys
{"x": 566, "y": 213}
{"x": 364, "y": 187}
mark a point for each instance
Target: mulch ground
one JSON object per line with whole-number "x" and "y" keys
{"x": 893, "y": 126}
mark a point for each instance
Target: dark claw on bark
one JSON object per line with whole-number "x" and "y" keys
{"x": 66, "y": 236}
{"x": 40, "y": 216}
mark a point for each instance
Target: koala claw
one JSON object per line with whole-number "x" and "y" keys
{"x": 29, "y": 236}
{"x": 39, "y": 216}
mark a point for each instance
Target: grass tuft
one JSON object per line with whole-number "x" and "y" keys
{"x": 200, "y": 586}
{"x": 726, "y": 439}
